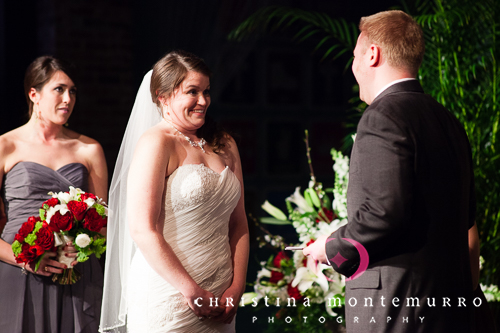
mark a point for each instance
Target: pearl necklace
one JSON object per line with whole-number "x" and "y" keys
{"x": 200, "y": 143}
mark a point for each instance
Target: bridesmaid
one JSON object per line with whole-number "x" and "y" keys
{"x": 41, "y": 156}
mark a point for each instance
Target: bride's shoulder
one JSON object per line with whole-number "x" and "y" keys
{"x": 229, "y": 151}
{"x": 157, "y": 136}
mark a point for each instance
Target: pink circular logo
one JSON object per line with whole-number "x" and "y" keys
{"x": 364, "y": 259}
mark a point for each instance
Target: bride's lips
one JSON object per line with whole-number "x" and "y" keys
{"x": 64, "y": 109}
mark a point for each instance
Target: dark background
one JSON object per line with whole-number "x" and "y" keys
{"x": 265, "y": 91}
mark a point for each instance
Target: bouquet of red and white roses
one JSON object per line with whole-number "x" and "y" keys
{"x": 75, "y": 216}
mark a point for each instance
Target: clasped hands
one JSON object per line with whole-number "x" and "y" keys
{"x": 206, "y": 306}
{"x": 49, "y": 266}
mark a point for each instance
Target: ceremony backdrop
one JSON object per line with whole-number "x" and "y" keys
{"x": 265, "y": 91}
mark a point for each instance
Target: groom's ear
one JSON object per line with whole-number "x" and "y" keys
{"x": 374, "y": 53}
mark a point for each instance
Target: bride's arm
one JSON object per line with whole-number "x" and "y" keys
{"x": 239, "y": 241}
{"x": 146, "y": 180}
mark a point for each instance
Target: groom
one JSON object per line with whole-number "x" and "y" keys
{"x": 411, "y": 200}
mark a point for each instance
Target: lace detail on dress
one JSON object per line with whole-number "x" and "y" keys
{"x": 192, "y": 189}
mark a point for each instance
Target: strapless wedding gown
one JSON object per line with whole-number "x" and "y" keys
{"x": 198, "y": 204}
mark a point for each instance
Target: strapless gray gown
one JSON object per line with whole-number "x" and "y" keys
{"x": 33, "y": 303}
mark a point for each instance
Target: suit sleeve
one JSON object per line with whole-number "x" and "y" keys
{"x": 384, "y": 173}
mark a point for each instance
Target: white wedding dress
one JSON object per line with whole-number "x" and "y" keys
{"x": 198, "y": 204}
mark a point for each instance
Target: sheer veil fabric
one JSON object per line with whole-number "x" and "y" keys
{"x": 120, "y": 247}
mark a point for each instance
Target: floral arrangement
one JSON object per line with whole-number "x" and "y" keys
{"x": 74, "y": 216}
{"x": 298, "y": 286}
{"x": 291, "y": 278}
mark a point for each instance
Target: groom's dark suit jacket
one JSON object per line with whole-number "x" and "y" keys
{"x": 410, "y": 203}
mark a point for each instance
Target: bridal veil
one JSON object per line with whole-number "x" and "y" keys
{"x": 120, "y": 247}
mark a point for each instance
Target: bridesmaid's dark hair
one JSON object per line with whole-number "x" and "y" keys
{"x": 168, "y": 74}
{"x": 40, "y": 71}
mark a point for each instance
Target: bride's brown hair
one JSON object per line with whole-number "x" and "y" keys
{"x": 168, "y": 74}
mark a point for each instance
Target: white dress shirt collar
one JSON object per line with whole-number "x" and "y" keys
{"x": 392, "y": 83}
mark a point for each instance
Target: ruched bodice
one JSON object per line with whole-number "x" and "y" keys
{"x": 25, "y": 188}
{"x": 198, "y": 205}
{"x": 33, "y": 303}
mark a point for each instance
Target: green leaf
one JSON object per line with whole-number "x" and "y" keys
{"x": 31, "y": 238}
{"x": 41, "y": 213}
{"x": 16, "y": 247}
{"x": 38, "y": 226}
{"x": 82, "y": 257}
{"x": 313, "y": 197}
{"x": 271, "y": 220}
{"x": 38, "y": 261}
{"x": 100, "y": 209}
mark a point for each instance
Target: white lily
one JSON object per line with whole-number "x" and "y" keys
{"x": 274, "y": 211}
{"x": 62, "y": 208}
{"x": 248, "y": 297}
{"x": 90, "y": 202}
{"x": 300, "y": 201}
{"x": 306, "y": 276}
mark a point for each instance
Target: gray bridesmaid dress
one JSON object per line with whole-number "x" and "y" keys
{"x": 33, "y": 303}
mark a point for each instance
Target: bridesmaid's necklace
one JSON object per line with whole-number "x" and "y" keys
{"x": 200, "y": 143}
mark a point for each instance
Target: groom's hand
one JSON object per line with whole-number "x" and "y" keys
{"x": 317, "y": 250}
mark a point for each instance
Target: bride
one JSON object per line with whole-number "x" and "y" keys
{"x": 178, "y": 241}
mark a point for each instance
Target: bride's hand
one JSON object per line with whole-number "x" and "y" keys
{"x": 199, "y": 302}
{"x": 230, "y": 307}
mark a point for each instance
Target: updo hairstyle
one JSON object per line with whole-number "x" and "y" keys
{"x": 168, "y": 74}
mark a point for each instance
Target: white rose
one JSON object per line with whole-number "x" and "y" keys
{"x": 82, "y": 240}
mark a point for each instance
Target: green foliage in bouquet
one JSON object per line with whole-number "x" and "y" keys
{"x": 96, "y": 246}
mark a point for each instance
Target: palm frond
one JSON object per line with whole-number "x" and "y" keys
{"x": 340, "y": 34}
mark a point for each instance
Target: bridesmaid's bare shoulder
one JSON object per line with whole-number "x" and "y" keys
{"x": 8, "y": 144}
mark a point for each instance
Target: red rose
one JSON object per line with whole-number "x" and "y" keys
{"x": 78, "y": 209}
{"x": 85, "y": 196}
{"x": 61, "y": 222}
{"x": 45, "y": 237}
{"x": 19, "y": 238}
{"x": 93, "y": 221}
{"x": 277, "y": 260}
{"x": 276, "y": 277}
{"x": 294, "y": 292}
{"x": 51, "y": 202}
{"x": 21, "y": 258}
{"x": 328, "y": 213}
{"x": 29, "y": 253}
{"x": 27, "y": 227}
